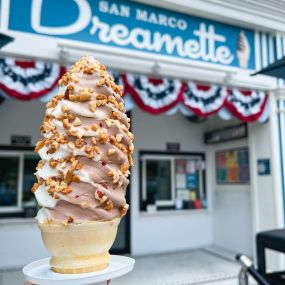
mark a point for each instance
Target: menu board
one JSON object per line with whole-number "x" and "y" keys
{"x": 187, "y": 182}
{"x": 232, "y": 166}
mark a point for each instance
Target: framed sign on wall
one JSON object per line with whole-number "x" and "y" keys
{"x": 232, "y": 166}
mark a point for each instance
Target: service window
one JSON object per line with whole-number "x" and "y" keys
{"x": 172, "y": 181}
{"x": 9, "y": 182}
{"x": 16, "y": 180}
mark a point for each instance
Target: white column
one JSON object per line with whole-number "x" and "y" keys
{"x": 277, "y": 139}
{"x": 277, "y": 126}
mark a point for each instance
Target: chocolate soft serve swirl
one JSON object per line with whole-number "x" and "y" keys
{"x": 86, "y": 150}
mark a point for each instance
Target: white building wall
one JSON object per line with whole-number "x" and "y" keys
{"x": 170, "y": 231}
{"x": 20, "y": 118}
{"x": 20, "y": 238}
{"x": 21, "y": 243}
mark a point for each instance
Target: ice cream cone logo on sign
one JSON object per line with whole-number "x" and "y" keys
{"x": 243, "y": 50}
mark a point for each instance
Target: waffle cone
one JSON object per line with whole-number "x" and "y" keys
{"x": 79, "y": 248}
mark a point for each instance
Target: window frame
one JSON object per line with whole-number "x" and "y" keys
{"x": 170, "y": 202}
{"x": 171, "y": 155}
{"x": 21, "y": 155}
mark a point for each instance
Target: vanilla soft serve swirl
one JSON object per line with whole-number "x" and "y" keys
{"x": 86, "y": 150}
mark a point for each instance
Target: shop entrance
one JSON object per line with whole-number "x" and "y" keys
{"x": 226, "y": 219}
{"x": 122, "y": 242}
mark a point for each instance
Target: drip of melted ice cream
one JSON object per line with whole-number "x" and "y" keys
{"x": 86, "y": 150}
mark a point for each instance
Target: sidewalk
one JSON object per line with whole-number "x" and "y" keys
{"x": 183, "y": 268}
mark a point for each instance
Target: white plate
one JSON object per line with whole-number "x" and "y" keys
{"x": 39, "y": 272}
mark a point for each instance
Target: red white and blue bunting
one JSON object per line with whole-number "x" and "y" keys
{"x": 27, "y": 80}
{"x": 246, "y": 105}
{"x": 204, "y": 100}
{"x": 153, "y": 95}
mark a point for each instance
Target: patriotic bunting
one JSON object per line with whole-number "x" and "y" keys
{"x": 153, "y": 95}
{"x": 204, "y": 100}
{"x": 26, "y": 80}
{"x": 247, "y": 105}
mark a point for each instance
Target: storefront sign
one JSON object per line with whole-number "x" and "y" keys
{"x": 173, "y": 146}
{"x": 21, "y": 140}
{"x": 226, "y": 134}
{"x": 135, "y": 27}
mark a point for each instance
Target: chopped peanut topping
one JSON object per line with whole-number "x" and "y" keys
{"x": 113, "y": 140}
{"x": 40, "y": 165}
{"x": 76, "y": 178}
{"x": 102, "y": 137}
{"x": 109, "y": 205}
{"x": 64, "y": 109}
{"x": 71, "y": 145}
{"x": 130, "y": 159}
{"x": 35, "y": 187}
{"x": 111, "y": 151}
{"x": 96, "y": 149}
{"x": 103, "y": 199}
{"x": 124, "y": 210}
{"x": 119, "y": 137}
{"x": 92, "y": 106}
{"x": 124, "y": 168}
{"x": 94, "y": 141}
{"x": 53, "y": 163}
{"x": 68, "y": 176}
{"x": 131, "y": 147}
{"x": 77, "y": 122}
{"x": 116, "y": 115}
{"x": 66, "y": 124}
{"x": 89, "y": 150}
{"x": 84, "y": 96}
{"x": 94, "y": 127}
{"x": 112, "y": 99}
{"x": 101, "y": 97}
{"x": 72, "y": 97}
{"x": 66, "y": 190}
{"x": 101, "y": 103}
{"x": 121, "y": 106}
{"x": 78, "y": 166}
{"x": 108, "y": 123}
{"x": 39, "y": 145}
{"x": 79, "y": 142}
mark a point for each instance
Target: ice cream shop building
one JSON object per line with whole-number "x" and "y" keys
{"x": 209, "y": 137}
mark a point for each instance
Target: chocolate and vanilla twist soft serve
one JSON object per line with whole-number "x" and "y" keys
{"x": 86, "y": 150}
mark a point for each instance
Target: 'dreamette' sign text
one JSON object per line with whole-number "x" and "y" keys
{"x": 136, "y": 27}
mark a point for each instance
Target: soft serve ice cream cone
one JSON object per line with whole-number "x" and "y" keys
{"x": 86, "y": 152}
{"x": 243, "y": 50}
